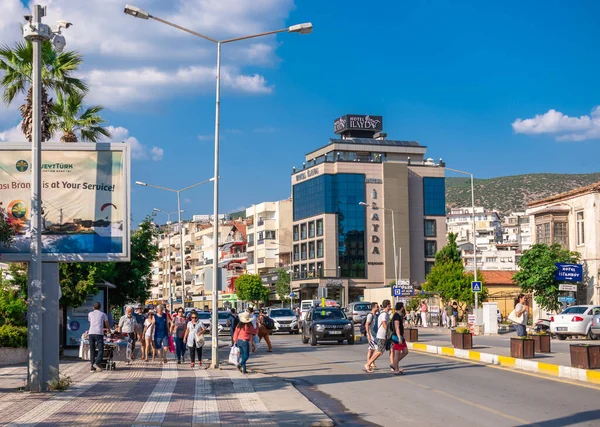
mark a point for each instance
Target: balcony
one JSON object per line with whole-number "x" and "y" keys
{"x": 236, "y": 255}
{"x": 260, "y": 222}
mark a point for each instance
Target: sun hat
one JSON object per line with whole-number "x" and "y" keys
{"x": 245, "y": 317}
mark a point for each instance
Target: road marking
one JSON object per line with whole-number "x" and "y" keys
{"x": 206, "y": 410}
{"x": 155, "y": 408}
{"x": 254, "y": 408}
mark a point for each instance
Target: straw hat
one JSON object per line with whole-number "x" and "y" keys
{"x": 245, "y": 317}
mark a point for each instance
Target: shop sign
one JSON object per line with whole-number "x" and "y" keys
{"x": 569, "y": 272}
{"x": 334, "y": 282}
{"x": 309, "y": 173}
{"x": 373, "y": 181}
{"x": 358, "y": 122}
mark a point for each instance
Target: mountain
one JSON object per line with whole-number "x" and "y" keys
{"x": 508, "y": 194}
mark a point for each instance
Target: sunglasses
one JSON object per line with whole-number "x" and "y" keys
{"x": 194, "y": 317}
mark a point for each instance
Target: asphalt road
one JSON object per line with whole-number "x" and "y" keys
{"x": 435, "y": 391}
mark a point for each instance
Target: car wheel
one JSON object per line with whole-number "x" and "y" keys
{"x": 561, "y": 337}
{"x": 304, "y": 339}
{"x": 340, "y": 341}
{"x": 313, "y": 339}
{"x": 592, "y": 336}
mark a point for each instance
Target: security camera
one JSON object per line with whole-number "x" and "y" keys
{"x": 28, "y": 18}
{"x": 59, "y": 42}
{"x": 63, "y": 24}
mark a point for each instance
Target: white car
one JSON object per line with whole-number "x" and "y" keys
{"x": 575, "y": 321}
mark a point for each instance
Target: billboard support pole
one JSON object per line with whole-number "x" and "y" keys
{"x": 50, "y": 322}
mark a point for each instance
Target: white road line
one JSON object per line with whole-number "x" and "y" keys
{"x": 251, "y": 404}
{"x": 45, "y": 410}
{"x": 206, "y": 409}
{"x": 154, "y": 410}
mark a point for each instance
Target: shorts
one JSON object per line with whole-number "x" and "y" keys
{"x": 381, "y": 345}
{"x": 161, "y": 342}
{"x": 399, "y": 347}
{"x": 372, "y": 345}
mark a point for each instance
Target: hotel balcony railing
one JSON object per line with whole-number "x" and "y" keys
{"x": 312, "y": 274}
{"x": 235, "y": 255}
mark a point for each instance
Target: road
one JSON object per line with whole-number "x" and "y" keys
{"x": 435, "y": 391}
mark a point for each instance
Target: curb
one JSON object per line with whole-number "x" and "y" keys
{"x": 559, "y": 371}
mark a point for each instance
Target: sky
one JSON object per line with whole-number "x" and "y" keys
{"x": 494, "y": 88}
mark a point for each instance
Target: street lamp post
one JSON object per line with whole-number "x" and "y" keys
{"x": 393, "y": 236}
{"x": 305, "y": 28}
{"x": 179, "y": 211}
{"x": 168, "y": 254}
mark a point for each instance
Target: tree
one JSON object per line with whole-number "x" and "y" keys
{"x": 77, "y": 280}
{"x": 69, "y": 118}
{"x": 7, "y": 229}
{"x": 57, "y": 75}
{"x": 282, "y": 285}
{"x": 536, "y": 274}
{"x": 18, "y": 273}
{"x": 249, "y": 287}
{"x": 13, "y": 308}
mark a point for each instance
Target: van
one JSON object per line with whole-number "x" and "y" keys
{"x": 308, "y": 304}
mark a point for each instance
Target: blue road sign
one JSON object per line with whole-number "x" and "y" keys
{"x": 568, "y": 300}
{"x": 397, "y": 292}
{"x": 292, "y": 295}
{"x": 476, "y": 286}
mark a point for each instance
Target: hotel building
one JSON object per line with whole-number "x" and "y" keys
{"x": 345, "y": 247}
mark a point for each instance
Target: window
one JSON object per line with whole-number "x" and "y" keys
{"x": 319, "y": 227}
{"x": 430, "y": 228}
{"x": 542, "y": 232}
{"x": 491, "y": 259}
{"x": 430, "y": 248}
{"x": 434, "y": 196}
{"x": 303, "y": 251}
{"x": 303, "y": 231}
{"x": 270, "y": 235}
{"x": 311, "y": 250}
{"x": 296, "y": 253}
{"x": 319, "y": 248}
{"x": 311, "y": 270}
{"x": 580, "y": 229}
{"x": 261, "y": 260}
{"x": 250, "y": 258}
{"x": 320, "y": 269}
{"x": 250, "y": 239}
{"x": 428, "y": 266}
{"x": 311, "y": 229}
{"x": 560, "y": 234}
{"x": 296, "y": 235}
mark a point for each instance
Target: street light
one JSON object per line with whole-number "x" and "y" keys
{"x": 168, "y": 252}
{"x": 305, "y": 28}
{"x": 179, "y": 211}
{"x": 393, "y": 235}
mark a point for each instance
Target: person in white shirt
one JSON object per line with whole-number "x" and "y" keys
{"x": 149, "y": 336}
{"x": 98, "y": 320}
{"x": 381, "y": 335}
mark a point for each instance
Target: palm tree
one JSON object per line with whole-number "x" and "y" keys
{"x": 57, "y": 75}
{"x": 67, "y": 116}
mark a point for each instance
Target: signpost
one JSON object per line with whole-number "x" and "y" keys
{"x": 568, "y": 300}
{"x": 568, "y": 272}
{"x": 567, "y": 287}
{"x": 403, "y": 289}
{"x": 476, "y": 286}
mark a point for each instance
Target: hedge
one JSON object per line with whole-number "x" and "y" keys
{"x": 13, "y": 336}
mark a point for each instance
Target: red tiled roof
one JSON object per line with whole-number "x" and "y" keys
{"x": 592, "y": 188}
{"x": 498, "y": 277}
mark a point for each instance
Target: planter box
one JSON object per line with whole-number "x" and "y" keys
{"x": 12, "y": 356}
{"x": 411, "y": 334}
{"x": 522, "y": 348}
{"x": 541, "y": 342}
{"x": 585, "y": 356}
{"x": 462, "y": 341}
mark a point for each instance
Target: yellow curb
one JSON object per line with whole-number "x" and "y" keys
{"x": 474, "y": 355}
{"x": 420, "y": 347}
{"x": 548, "y": 369}
{"x": 447, "y": 351}
{"x": 593, "y": 376}
{"x": 506, "y": 361}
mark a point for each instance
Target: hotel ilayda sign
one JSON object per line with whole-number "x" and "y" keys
{"x": 358, "y": 122}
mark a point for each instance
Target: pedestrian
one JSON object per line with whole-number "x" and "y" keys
{"x": 455, "y": 312}
{"x": 521, "y": 312}
{"x": 139, "y": 326}
{"x": 98, "y": 321}
{"x": 371, "y": 330}
{"x": 399, "y": 347}
{"x": 449, "y": 310}
{"x": 162, "y": 326}
{"x": 194, "y": 339}
{"x": 423, "y": 309}
{"x": 263, "y": 331}
{"x": 233, "y": 322}
{"x": 417, "y": 316}
{"x": 127, "y": 325}
{"x": 381, "y": 335}
{"x": 149, "y": 336}
{"x": 254, "y": 320}
{"x": 178, "y": 329}
{"x": 243, "y": 336}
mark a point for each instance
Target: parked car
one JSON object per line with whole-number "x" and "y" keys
{"x": 285, "y": 320}
{"x": 327, "y": 324}
{"x": 575, "y": 321}
{"x": 357, "y": 311}
{"x": 205, "y": 318}
{"x": 595, "y": 329}
{"x": 224, "y": 322}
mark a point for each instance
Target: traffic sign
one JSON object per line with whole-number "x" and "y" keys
{"x": 566, "y": 287}
{"x": 476, "y": 286}
{"x": 292, "y": 295}
{"x": 396, "y": 292}
{"x": 568, "y": 300}
{"x": 403, "y": 288}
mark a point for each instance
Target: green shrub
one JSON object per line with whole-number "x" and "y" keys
{"x": 13, "y": 336}
{"x": 12, "y": 308}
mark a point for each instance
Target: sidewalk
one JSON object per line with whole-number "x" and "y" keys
{"x": 152, "y": 394}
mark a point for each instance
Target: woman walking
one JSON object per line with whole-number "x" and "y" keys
{"x": 243, "y": 335}
{"x": 162, "y": 326}
{"x": 148, "y": 335}
{"x": 178, "y": 329}
{"x": 521, "y": 311}
{"x": 194, "y": 339}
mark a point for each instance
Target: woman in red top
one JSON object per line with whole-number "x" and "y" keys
{"x": 242, "y": 336}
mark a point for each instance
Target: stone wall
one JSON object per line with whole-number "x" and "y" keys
{"x": 12, "y": 356}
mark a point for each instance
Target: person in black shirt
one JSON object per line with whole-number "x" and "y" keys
{"x": 399, "y": 348}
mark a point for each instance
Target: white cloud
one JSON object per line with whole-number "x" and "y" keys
{"x": 563, "y": 127}
{"x": 156, "y": 153}
{"x": 205, "y": 137}
{"x": 13, "y": 135}
{"x": 139, "y": 151}
{"x": 187, "y": 200}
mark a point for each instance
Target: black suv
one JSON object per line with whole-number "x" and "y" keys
{"x": 327, "y": 324}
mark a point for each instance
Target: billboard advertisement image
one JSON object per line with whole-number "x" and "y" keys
{"x": 85, "y": 200}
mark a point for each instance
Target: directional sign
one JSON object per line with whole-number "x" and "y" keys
{"x": 292, "y": 295}
{"x": 568, "y": 300}
{"x": 403, "y": 288}
{"x": 396, "y": 292}
{"x": 476, "y": 286}
{"x": 568, "y": 272}
{"x": 566, "y": 287}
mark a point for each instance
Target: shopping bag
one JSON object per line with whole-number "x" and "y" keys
{"x": 514, "y": 318}
{"x": 171, "y": 344}
{"x": 234, "y": 355}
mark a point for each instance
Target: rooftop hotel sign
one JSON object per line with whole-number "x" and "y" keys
{"x": 358, "y": 122}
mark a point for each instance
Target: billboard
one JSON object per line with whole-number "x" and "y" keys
{"x": 358, "y": 122}
{"x": 568, "y": 272}
{"x": 85, "y": 200}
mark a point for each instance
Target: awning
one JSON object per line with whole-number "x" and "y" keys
{"x": 227, "y": 246}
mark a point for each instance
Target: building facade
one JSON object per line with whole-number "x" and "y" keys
{"x": 572, "y": 220}
{"x": 516, "y": 230}
{"x": 488, "y": 229}
{"x": 352, "y": 200}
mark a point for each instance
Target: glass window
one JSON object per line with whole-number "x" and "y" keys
{"x": 319, "y": 227}
{"x": 428, "y": 266}
{"x": 319, "y": 248}
{"x": 560, "y": 234}
{"x": 320, "y": 269}
{"x": 303, "y": 231}
{"x": 580, "y": 229}
{"x": 296, "y": 234}
{"x": 430, "y": 228}
{"x": 296, "y": 253}
{"x": 303, "y": 251}
{"x": 311, "y": 229}
{"x": 430, "y": 248}
{"x": 542, "y": 232}
{"x": 434, "y": 196}
{"x": 270, "y": 235}
{"x": 311, "y": 250}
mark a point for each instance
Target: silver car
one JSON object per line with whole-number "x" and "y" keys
{"x": 595, "y": 329}
{"x": 285, "y": 320}
{"x": 357, "y": 311}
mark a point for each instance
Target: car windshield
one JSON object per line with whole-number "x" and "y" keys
{"x": 223, "y": 315}
{"x": 328, "y": 315}
{"x": 306, "y": 305}
{"x": 281, "y": 313}
{"x": 575, "y": 310}
{"x": 203, "y": 316}
{"x": 362, "y": 307}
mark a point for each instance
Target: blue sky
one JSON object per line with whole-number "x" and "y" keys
{"x": 454, "y": 76}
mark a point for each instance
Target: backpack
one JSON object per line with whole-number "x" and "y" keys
{"x": 268, "y": 322}
{"x": 363, "y": 325}
{"x": 374, "y": 324}
{"x": 391, "y": 330}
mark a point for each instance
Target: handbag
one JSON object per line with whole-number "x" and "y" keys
{"x": 512, "y": 317}
{"x": 171, "y": 344}
{"x": 234, "y": 355}
{"x": 199, "y": 338}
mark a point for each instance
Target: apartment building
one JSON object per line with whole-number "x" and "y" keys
{"x": 501, "y": 257}
{"x": 516, "y": 230}
{"x": 488, "y": 228}
{"x": 353, "y": 199}
{"x": 571, "y": 219}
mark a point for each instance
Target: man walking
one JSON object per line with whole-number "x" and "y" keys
{"x": 449, "y": 315}
{"x": 233, "y": 322}
{"x": 263, "y": 331}
{"x": 98, "y": 320}
{"x": 127, "y": 325}
{"x": 371, "y": 329}
{"x": 381, "y": 335}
